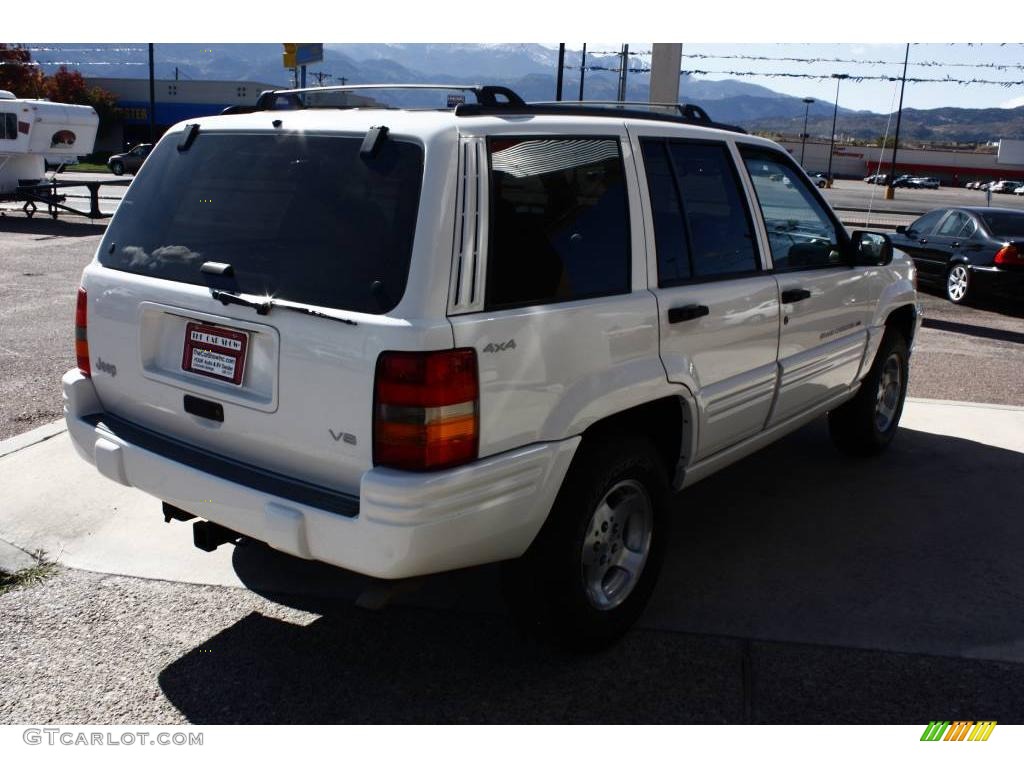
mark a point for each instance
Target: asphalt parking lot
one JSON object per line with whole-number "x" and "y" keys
{"x": 801, "y": 588}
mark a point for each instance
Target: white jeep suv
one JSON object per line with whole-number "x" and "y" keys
{"x": 404, "y": 341}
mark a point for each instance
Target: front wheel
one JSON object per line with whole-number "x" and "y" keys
{"x": 958, "y": 283}
{"x": 865, "y": 425}
{"x": 590, "y": 572}
{"x": 117, "y": 168}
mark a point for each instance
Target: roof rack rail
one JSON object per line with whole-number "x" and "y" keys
{"x": 486, "y": 95}
{"x": 686, "y": 114}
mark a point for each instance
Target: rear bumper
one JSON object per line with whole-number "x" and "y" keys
{"x": 405, "y": 524}
{"x": 1003, "y": 282}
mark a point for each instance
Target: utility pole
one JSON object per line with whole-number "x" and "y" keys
{"x": 561, "y": 71}
{"x": 343, "y": 80}
{"x": 583, "y": 69}
{"x": 890, "y": 190}
{"x": 803, "y": 136}
{"x": 623, "y": 71}
{"x": 320, "y": 76}
{"x": 152, "y": 99}
{"x": 832, "y": 138}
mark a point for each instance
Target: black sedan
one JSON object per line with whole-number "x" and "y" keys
{"x": 129, "y": 161}
{"x": 967, "y": 251}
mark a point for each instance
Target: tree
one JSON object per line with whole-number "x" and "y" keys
{"x": 19, "y": 74}
{"x": 69, "y": 87}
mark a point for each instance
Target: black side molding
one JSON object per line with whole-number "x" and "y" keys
{"x": 257, "y": 478}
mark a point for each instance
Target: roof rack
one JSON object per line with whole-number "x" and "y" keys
{"x": 486, "y": 95}
{"x": 686, "y": 114}
{"x": 499, "y": 100}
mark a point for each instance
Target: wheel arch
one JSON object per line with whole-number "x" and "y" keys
{"x": 669, "y": 422}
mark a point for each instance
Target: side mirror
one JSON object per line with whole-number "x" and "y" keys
{"x": 871, "y": 249}
{"x": 901, "y": 229}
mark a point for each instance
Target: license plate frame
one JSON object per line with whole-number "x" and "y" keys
{"x": 220, "y": 352}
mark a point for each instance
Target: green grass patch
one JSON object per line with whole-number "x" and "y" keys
{"x": 89, "y": 168}
{"x": 34, "y": 574}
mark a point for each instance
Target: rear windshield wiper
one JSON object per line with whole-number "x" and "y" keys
{"x": 263, "y": 307}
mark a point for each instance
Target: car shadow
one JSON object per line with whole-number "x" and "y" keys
{"x": 799, "y": 586}
{"x": 991, "y": 303}
{"x": 978, "y": 331}
{"x": 42, "y": 224}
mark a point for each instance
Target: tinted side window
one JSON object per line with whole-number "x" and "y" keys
{"x": 953, "y": 224}
{"x": 701, "y": 224}
{"x": 559, "y": 221}
{"x": 801, "y": 234}
{"x": 669, "y": 232}
{"x": 925, "y": 224}
{"x": 721, "y": 236}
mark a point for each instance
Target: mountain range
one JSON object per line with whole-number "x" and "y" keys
{"x": 530, "y": 70}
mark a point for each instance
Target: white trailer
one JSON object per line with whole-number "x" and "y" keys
{"x": 34, "y": 131}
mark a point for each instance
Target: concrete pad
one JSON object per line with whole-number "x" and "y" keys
{"x": 55, "y": 501}
{"x": 917, "y": 551}
{"x": 13, "y": 559}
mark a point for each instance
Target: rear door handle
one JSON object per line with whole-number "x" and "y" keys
{"x": 923, "y": 240}
{"x": 794, "y": 295}
{"x": 689, "y": 312}
{"x": 956, "y": 245}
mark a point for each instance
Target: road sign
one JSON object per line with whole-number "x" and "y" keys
{"x": 300, "y": 54}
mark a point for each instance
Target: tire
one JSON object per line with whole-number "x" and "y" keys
{"x": 867, "y": 424}
{"x": 958, "y": 284}
{"x": 612, "y": 508}
{"x": 117, "y": 168}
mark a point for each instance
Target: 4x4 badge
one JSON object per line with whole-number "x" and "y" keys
{"x": 492, "y": 347}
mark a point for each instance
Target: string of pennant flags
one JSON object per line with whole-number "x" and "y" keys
{"x": 809, "y": 76}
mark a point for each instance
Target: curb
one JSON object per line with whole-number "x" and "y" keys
{"x": 33, "y": 436}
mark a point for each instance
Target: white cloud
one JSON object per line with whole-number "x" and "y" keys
{"x": 1017, "y": 102}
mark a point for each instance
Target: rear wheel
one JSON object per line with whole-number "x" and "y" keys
{"x": 865, "y": 425}
{"x": 958, "y": 283}
{"x": 591, "y": 570}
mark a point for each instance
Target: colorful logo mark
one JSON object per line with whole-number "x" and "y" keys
{"x": 958, "y": 730}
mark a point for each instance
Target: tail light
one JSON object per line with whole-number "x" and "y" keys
{"x": 426, "y": 409}
{"x": 81, "y": 336}
{"x": 1009, "y": 256}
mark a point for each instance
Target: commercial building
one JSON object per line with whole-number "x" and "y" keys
{"x": 175, "y": 100}
{"x": 949, "y": 166}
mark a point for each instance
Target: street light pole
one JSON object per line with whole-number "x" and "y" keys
{"x": 561, "y": 70}
{"x": 583, "y": 69}
{"x": 803, "y": 136}
{"x": 890, "y": 190}
{"x": 832, "y": 138}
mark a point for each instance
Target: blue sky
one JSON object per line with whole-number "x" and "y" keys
{"x": 877, "y": 96}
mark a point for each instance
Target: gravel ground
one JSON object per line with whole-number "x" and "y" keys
{"x": 89, "y": 648}
{"x": 41, "y": 262}
{"x": 969, "y": 353}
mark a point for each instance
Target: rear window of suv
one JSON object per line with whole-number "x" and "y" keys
{"x": 298, "y": 217}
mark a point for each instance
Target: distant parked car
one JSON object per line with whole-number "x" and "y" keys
{"x": 903, "y": 180}
{"x": 1019, "y": 190}
{"x": 129, "y": 162}
{"x": 924, "y": 182}
{"x": 820, "y": 180}
{"x": 1005, "y": 187}
{"x": 968, "y": 251}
